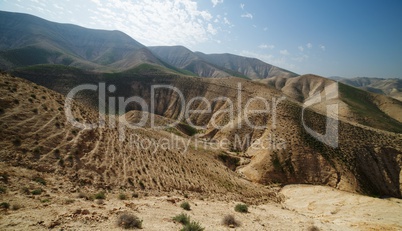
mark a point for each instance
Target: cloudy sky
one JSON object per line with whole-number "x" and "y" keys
{"x": 330, "y": 38}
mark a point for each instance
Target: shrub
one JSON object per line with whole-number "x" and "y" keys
{"x": 69, "y": 201}
{"x": 182, "y": 219}
{"x": 122, "y": 196}
{"x": 100, "y": 195}
{"x": 185, "y": 205}
{"x": 313, "y": 228}
{"x": 230, "y": 221}
{"x": 241, "y": 208}
{"x": 4, "y": 177}
{"x": 25, "y": 190}
{"x": 17, "y": 142}
{"x": 135, "y": 195}
{"x": 4, "y": 205}
{"x": 45, "y": 200}
{"x": 129, "y": 221}
{"x": 16, "y": 206}
{"x": 229, "y": 161}
{"x": 192, "y": 226}
{"x": 2, "y": 190}
{"x": 40, "y": 180}
{"x": 37, "y": 191}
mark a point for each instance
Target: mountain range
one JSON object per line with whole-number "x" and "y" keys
{"x": 390, "y": 87}
{"x": 28, "y": 40}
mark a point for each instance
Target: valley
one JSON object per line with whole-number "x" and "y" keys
{"x": 95, "y": 125}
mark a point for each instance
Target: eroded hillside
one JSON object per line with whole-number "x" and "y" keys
{"x": 36, "y": 135}
{"x": 366, "y": 160}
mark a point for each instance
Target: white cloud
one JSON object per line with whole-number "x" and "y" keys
{"x": 301, "y": 58}
{"x": 247, "y": 15}
{"x": 322, "y": 47}
{"x": 216, "y": 2}
{"x": 226, "y": 21}
{"x": 211, "y": 29}
{"x": 265, "y": 28}
{"x": 242, "y": 6}
{"x": 97, "y": 2}
{"x": 284, "y": 52}
{"x": 301, "y": 48}
{"x": 309, "y": 45}
{"x": 162, "y": 22}
{"x": 265, "y": 46}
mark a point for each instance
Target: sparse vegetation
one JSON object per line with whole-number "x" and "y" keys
{"x": 185, "y": 205}
{"x": 122, "y": 196}
{"x": 182, "y": 218}
{"x": 135, "y": 195}
{"x": 45, "y": 200}
{"x": 40, "y": 180}
{"x": 37, "y": 191}
{"x": 141, "y": 185}
{"x": 3, "y": 190}
{"x": 241, "y": 208}
{"x": 313, "y": 228}
{"x": 5, "y": 205}
{"x": 192, "y": 226}
{"x": 69, "y": 201}
{"x": 229, "y": 161}
{"x": 17, "y": 142}
{"x": 25, "y": 190}
{"x": 230, "y": 221}
{"x": 129, "y": 221}
{"x": 4, "y": 177}
{"x": 100, "y": 195}
{"x": 16, "y": 206}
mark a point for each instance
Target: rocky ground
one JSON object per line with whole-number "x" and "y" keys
{"x": 62, "y": 206}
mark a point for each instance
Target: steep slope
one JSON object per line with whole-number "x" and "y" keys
{"x": 389, "y": 87}
{"x": 183, "y": 58}
{"x": 218, "y": 65}
{"x": 36, "y": 135}
{"x": 355, "y": 105}
{"x": 29, "y": 40}
{"x": 366, "y": 160}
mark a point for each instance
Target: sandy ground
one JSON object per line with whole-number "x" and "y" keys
{"x": 304, "y": 208}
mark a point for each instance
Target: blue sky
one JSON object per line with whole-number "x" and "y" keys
{"x": 346, "y": 38}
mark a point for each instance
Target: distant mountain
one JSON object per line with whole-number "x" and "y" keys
{"x": 183, "y": 58}
{"x": 250, "y": 67}
{"x": 390, "y": 87}
{"x": 28, "y": 40}
{"x": 218, "y": 65}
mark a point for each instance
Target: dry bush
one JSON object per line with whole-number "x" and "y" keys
{"x": 230, "y": 221}
{"x": 129, "y": 221}
{"x": 185, "y": 205}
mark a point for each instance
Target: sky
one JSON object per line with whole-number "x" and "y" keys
{"x": 347, "y": 38}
